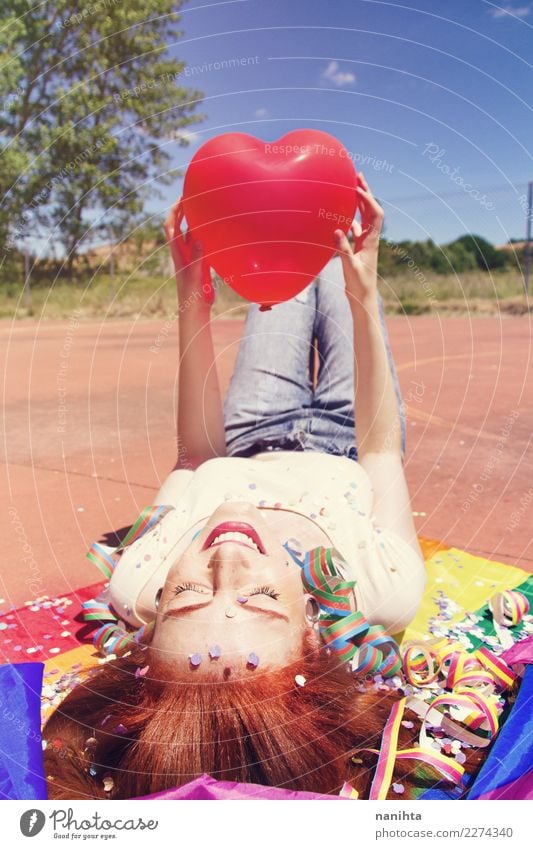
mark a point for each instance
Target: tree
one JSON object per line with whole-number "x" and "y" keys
{"x": 90, "y": 99}
{"x": 486, "y": 256}
{"x": 459, "y": 258}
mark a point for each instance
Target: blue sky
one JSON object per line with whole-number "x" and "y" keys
{"x": 434, "y": 97}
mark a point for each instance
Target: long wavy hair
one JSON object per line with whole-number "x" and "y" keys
{"x": 123, "y": 735}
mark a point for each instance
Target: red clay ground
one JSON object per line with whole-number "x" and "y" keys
{"x": 72, "y": 475}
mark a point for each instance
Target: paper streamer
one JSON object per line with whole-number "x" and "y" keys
{"x": 469, "y": 712}
{"x": 388, "y": 754}
{"x": 347, "y": 633}
{"x": 508, "y": 608}
{"x": 113, "y": 638}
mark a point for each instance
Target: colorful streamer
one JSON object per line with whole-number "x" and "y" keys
{"x": 345, "y": 632}
{"x": 388, "y": 754}
{"x": 112, "y": 638}
{"x": 469, "y": 711}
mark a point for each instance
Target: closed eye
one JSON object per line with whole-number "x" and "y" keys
{"x": 189, "y": 585}
{"x": 265, "y": 590}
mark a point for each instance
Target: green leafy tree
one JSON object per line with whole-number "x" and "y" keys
{"x": 485, "y": 255}
{"x": 458, "y": 258}
{"x": 90, "y": 98}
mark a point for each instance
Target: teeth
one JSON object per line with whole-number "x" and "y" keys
{"x": 236, "y": 536}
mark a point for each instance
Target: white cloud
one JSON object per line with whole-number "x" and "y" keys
{"x": 261, "y": 113}
{"x": 510, "y": 11}
{"x": 185, "y": 135}
{"x": 333, "y": 74}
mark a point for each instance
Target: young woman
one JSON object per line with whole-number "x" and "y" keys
{"x": 287, "y": 467}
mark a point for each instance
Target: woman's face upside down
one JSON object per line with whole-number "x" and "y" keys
{"x": 235, "y": 591}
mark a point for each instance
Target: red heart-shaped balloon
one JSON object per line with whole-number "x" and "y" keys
{"x": 265, "y": 212}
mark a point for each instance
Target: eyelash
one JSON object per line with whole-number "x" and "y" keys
{"x": 265, "y": 591}
{"x": 187, "y": 585}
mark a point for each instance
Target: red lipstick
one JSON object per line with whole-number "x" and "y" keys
{"x": 234, "y": 527}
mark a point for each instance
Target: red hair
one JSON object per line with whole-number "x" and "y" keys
{"x": 148, "y": 736}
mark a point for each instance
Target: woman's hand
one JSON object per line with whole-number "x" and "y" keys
{"x": 360, "y": 263}
{"x": 193, "y": 277}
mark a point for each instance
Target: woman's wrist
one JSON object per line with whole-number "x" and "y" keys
{"x": 194, "y": 310}
{"x": 362, "y": 299}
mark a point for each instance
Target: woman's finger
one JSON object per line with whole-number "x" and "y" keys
{"x": 180, "y": 241}
{"x": 365, "y": 191}
{"x": 362, "y": 180}
{"x": 343, "y": 246}
{"x": 371, "y": 212}
{"x": 168, "y": 227}
{"x": 170, "y": 220}
{"x": 356, "y": 228}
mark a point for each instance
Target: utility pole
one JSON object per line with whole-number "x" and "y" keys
{"x": 528, "y": 234}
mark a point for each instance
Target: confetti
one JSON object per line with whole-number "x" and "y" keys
{"x": 398, "y": 788}
{"x": 242, "y": 599}
{"x": 348, "y": 792}
{"x": 252, "y": 660}
{"x": 407, "y": 723}
{"x": 141, "y": 672}
{"x": 121, "y": 729}
{"x": 214, "y": 652}
{"x": 195, "y": 660}
{"x": 300, "y": 680}
{"x": 108, "y": 784}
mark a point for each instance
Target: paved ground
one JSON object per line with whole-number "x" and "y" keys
{"x": 89, "y": 435}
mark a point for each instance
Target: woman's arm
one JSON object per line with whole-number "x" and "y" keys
{"x": 378, "y": 429}
{"x": 200, "y": 420}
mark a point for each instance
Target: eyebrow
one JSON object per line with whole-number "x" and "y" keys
{"x": 274, "y": 614}
{"x": 179, "y": 611}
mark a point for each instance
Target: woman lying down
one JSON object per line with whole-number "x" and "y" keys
{"x": 281, "y": 539}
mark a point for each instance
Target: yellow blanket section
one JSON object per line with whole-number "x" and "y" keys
{"x": 466, "y": 580}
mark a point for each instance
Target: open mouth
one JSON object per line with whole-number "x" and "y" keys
{"x": 240, "y": 533}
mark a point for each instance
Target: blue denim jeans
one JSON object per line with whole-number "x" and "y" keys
{"x": 272, "y": 403}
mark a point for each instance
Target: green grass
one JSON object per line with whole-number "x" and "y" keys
{"x": 145, "y": 297}
{"x": 104, "y": 297}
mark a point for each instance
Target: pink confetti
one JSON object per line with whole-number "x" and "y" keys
{"x": 140, "y": 673}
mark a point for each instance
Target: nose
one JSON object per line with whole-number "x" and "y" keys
{"x": 230, "y": 564}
